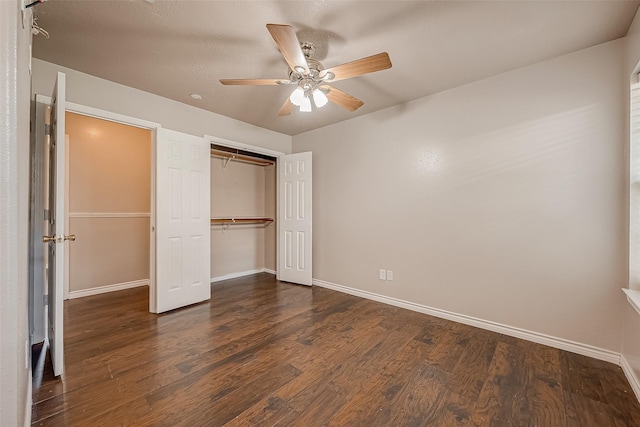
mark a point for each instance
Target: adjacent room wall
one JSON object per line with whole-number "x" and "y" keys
{"x": 502, "y": 200}
{"x": 15, "y": 354}
{"x": 109, "y": 203}
{"x": 95, "y": 92}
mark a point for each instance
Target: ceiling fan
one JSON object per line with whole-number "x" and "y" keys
{"x": 309, "y": 75}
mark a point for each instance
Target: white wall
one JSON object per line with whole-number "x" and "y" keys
{"x": 94, "y": 92}
{"x": 502, "y": 200}
{"x": 15, "y": 396}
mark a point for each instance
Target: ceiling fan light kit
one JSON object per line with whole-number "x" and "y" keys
{"x": 297, "y": 96}
{"x": 319, "y": 98}
{"x": 305, "y": 106}
{"x": 309, "y": 75}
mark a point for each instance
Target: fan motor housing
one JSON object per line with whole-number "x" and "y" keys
{"x": 315, "y": 66}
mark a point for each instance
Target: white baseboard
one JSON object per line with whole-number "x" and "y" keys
{"x": 240, "y": 274}
{"x": 560, "y": 343}
{"x": 631, "y": 376}
{"x": 108, "y": 288}
{"x": 28, "y": 399}
{"x": 267, "y": 270}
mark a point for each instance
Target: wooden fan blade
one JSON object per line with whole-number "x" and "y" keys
{"x": 286, "y": 108}
{"x": 289, "y": 46}
{"x": 359, "y": 67}
{"x": 343, "y": 99}
{"x": 253, "y": 82}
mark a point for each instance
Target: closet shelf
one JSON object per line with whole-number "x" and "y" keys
{"x": 243, "y": 220}
{"x": 241, "y": 158}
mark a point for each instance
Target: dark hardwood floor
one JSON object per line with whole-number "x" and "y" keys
{"x": 267, "y": 353}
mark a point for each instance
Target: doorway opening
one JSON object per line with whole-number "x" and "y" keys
{"x": 109, "y": 205}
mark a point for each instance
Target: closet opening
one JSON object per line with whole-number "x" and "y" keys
{"x": 243, "y": 212}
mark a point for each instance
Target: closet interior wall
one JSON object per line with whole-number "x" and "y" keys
{"x": 240, "y": 190}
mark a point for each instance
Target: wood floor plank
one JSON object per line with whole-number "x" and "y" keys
{"x": 408, "y": 398}
{"x": 451, "y": 410}
{"x": 620, "y": 397}
{"x": 585, "y": 412}
{"x": 213, "y": 410}
{"x": 506, "y": 394}
{"x": 548, "y": 398}
{"x": 472, "y": 367}
{"x": 324, "y": 404}
{"x": 580, "y": 375}
{"x": 314, "y": 382}
{"x": 261, "y": 352}
{"x": 401, "y": 374}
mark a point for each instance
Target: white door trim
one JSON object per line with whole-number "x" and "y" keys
{"x": 67, "y": 258}
{"x": 102, "y": 114}
{"x": 241, "y": 146}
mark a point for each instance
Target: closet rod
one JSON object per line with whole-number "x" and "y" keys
{"x": 240, "y": 157}
{"x": 245, "y": 220}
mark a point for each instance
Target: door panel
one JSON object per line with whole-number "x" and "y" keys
{"x": 56, "y": 246}
{"x": 295, "y": 218}
{"x": 38, "y": 252}
{"x": 182, "y": 220}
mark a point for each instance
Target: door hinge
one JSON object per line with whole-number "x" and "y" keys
{"x": 47, "y": 129}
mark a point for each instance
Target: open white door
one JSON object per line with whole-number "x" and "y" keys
{"x": 294, "y": 218}
{"x": 182, "y": 220}
{"x": 56, "y": 237}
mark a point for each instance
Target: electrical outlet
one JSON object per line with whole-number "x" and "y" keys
{"x": 389, "y": 275}
{"x": 383, "y": 274}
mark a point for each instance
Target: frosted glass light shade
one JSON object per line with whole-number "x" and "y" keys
{"x": 297, "y": 96}
{"x": 305, "y": 106}
{"x": 319, "y": 98}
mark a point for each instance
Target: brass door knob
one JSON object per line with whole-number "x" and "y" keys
{"x": 71, "y": 237}
{"x": 47, "y": 239}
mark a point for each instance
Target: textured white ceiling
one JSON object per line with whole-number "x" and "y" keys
{"x": 175, "y": 48}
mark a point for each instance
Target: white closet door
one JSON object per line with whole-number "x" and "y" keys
{"x": 182, "y": 220}
{"x": 294, "y": 218}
